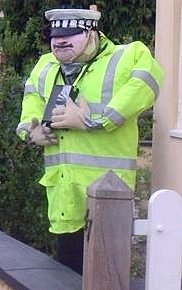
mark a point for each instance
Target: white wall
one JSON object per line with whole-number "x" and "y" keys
{"x": 167, "y": 150}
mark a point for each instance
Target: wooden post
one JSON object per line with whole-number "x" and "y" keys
{"x": 107, "y": 235}
{"x": 4, "y": 286}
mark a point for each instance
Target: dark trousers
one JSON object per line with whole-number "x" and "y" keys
{"x": 70, "y": 250}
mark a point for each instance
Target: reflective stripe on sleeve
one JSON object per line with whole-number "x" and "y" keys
{"x": 110, "y": 113}
{"x": 90, "y": 160}
{"x": 22, "y": 127}
{"x": 114, "y": 116}
{"x": 148, "y": 79}
{"x": 29, "y": 89}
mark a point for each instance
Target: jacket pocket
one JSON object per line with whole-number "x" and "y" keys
{"x": 50, "y": 178}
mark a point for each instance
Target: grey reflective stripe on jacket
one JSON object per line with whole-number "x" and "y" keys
{"x": 114, "y": 116}
{"x": 29, "y": 89}
{"x": 41, "y": 82}
{"x": 108, "y": 82}
{"x": 23, "y": 127}
{"x": 90, "y": 160}
{"x": 42, "y": 78}
{"x": 148, "y": 79}
{"x": 107, "y": 90}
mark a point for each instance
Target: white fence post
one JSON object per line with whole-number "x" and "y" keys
{"x": 164, "y": 241}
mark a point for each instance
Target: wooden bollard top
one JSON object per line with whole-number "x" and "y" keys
{"x": 109, "y": 186}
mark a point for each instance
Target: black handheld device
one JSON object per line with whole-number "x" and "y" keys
{"x": 59, "y": 95}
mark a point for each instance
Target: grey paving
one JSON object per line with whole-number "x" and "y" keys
{"x": 23, "y": 267}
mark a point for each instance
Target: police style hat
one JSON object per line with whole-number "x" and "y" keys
{"x": 67, "y": 22}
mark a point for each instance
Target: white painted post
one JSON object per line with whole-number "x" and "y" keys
{"x": 164, "y": 241}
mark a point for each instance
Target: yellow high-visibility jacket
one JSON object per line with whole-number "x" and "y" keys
{"x": 121, "y": 82}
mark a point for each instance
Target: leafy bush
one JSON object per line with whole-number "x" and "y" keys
{"x": 22, "y": 201}
{"x": 145, "y": 123}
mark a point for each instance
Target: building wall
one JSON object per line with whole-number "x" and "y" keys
{"x": 167, "y": 148}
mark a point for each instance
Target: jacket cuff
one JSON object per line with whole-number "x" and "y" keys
{"x": 93, "y": 124}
